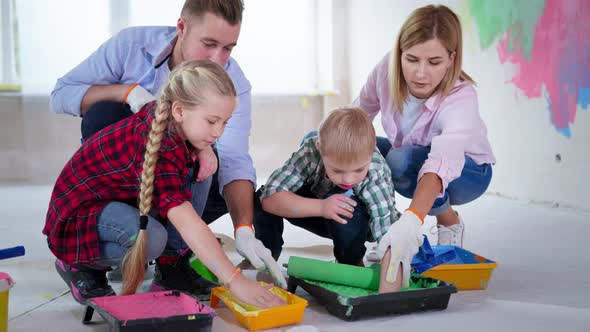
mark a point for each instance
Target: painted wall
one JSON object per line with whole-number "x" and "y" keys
{"x": 531, "y": 60}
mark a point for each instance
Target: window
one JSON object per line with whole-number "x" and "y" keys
{"x": 54, "y": 36}
{"x": 8, "y": 65}
{"x": 284, "y": 46}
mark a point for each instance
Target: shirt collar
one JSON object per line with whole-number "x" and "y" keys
{"x": 435, "y": 100}
{"x": 160, "y": 48}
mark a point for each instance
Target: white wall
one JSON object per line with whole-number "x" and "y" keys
{"x": 524, "y": 140}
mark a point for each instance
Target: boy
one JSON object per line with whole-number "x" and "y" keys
{"x": 338, "y": 186}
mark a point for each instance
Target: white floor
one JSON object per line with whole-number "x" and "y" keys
{"x": 542, "y": 282}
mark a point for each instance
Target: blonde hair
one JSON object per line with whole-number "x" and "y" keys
{"x": 347, "y": 136}
{"x": 187, "y": 85}
{"x": 229, "y": 10}
{"x": 422, "y": 25}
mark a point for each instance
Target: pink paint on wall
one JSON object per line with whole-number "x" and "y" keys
{"x": 559, "y": 61}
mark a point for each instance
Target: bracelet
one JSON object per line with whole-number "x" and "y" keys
{"x": 128, "y": 92}
{"x": 231, "y": 278}
{"x": 243, "y": 225}
{"x": 417, "y": 214}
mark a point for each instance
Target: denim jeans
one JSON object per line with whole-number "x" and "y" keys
{"x": 406, "y": 161}
{"x": 205, "y": 194}
{"x": 349, "y": 239}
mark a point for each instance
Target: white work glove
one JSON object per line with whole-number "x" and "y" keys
{"x": 136, "y": 97}
{"x": 253, "y": 250}
{"x": 404, "y": 238}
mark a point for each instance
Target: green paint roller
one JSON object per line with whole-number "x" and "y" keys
{"x": 334, "y": 273}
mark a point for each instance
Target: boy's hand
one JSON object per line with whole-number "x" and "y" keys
{"x": 337, "y": 206}
{"x": 404, "y": 238}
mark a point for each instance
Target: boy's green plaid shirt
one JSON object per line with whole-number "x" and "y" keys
{"x": 306, "y": 167}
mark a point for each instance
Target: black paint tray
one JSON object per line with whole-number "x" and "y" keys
{"x": 350, "y": 303}
{"x": 171, "y": 311}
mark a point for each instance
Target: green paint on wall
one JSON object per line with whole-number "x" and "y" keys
{"x": 495, "y": 18}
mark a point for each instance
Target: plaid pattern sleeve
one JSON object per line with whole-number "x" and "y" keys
{"x": 107, "y": 168}
{"x": 296, "y": 171}
{"x": 377, "y": 192}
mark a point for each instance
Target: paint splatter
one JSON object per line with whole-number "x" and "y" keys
{"x": 494, "y": 18}
{"x": 549, "y": 43}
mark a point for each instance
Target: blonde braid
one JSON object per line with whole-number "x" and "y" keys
{"x": 135, "y": 259}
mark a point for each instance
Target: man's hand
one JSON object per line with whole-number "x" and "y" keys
{"x": 253, "y": 250}
{"x": 404, "y": 238}
{"x": 207, "y": 163}
{"x": 136, "y": 96}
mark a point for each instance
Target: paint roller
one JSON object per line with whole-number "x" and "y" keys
{"x": 334, "y": 273}
{"x": 362, "y": 277}
{"x": 12, "y": 252}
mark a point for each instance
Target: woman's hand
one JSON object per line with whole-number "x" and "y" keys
{"x": 251, "y": 292}
{"x": 337, "y": 206}
{"x": 207, "y": 163}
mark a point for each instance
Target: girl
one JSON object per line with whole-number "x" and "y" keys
{"x": 437, "y": 145}
{"x": 93, "y": 220}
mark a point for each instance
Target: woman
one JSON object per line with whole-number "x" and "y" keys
{"x": 437, "y": 145}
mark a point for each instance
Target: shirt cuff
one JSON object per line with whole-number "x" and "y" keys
{"x": 440, "y": 168}
{"x": 229, "y": 174}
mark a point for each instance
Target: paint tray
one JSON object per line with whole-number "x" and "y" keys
{"x": 467, "y": 270}
{"x": 172, "y": 311}
{"x": 254, "y": 318}
{"x": 352, "y": 303}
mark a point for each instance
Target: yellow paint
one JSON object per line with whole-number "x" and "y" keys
{"x": 304, "y": 103}
{"x": 10, "y": 87}
{"x": 254, "y": 318}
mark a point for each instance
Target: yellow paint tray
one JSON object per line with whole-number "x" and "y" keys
{"x": 255, "y": 319}
{"x": 467, "y": 271}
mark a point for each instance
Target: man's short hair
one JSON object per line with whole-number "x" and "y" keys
{"x": 229, "y": 10}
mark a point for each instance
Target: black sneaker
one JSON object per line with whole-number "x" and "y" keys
{"x": 174, "y": 273}
{"x": 84, "y": 283}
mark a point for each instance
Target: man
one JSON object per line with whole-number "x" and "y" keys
{"x": 128, "y": 70}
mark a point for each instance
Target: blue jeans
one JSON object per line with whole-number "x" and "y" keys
{"x": 406, "y": 161}
{"x": 205, "y": 194}
{"x": 349, "y": 239}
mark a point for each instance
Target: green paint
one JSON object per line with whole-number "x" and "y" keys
{"x": 495, "y": 18}
{"x": 345, "y": 292}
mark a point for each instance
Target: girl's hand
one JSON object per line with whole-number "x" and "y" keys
{"x": 251, "y": 292}
{"x": 337, "y": 206}
{"x": 207, "y": 163}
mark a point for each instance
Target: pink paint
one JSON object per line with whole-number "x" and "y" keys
{"x": 559, "y": 61}
{"x": 151, "y": 305}
{"x": 5, "y": 282}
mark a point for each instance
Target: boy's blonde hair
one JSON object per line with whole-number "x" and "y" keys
{"x": 422, "y": 25}
{"x": 188, "y": 84}
{"x": 347, "y": 136}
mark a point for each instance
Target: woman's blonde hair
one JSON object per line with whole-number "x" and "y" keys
{"x": 347, "y": 136}
{"x": 188, "y": 84}
{"x": 422, "y": 25}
